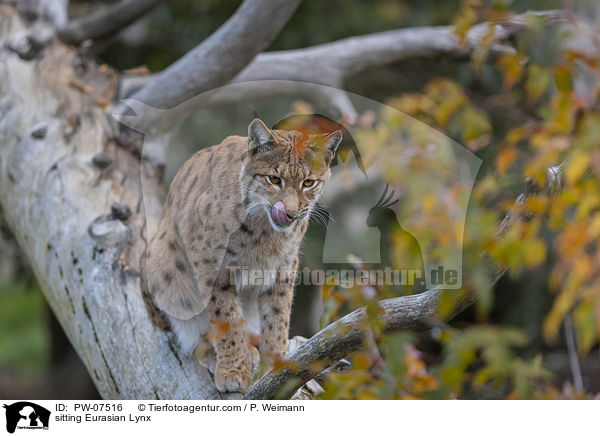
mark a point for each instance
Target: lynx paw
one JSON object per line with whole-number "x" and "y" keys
{"x": 232, "y": 379}
{"x": 233, "y": 376}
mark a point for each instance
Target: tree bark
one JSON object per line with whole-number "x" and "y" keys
{"x": 58, "y": 205}
{"x": 106, "y": 22}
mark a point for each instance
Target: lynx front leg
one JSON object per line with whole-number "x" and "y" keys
{"x": 230, "y": 341}
{"x": 275, "y": 307}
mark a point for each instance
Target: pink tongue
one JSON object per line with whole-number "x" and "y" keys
{"x": 278, "y": 214}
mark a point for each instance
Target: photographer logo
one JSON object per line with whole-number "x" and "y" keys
{"x": 24, "y": 415}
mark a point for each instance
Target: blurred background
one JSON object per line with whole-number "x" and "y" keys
{"x": 512, "y": 343}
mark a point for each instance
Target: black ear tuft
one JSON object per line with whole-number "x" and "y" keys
{"x": 260, "y": 138}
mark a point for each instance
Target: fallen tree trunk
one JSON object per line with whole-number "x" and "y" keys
{"x": 57, "y": 202}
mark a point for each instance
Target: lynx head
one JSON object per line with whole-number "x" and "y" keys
{"x": 284, "y": 172}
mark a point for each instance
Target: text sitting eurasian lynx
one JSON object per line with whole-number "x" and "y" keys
{"x": 242, "y": 204}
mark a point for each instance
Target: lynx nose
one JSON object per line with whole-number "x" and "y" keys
{"x": 279, "y": 214}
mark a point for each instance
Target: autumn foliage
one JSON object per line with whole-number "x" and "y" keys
{"x": 528, "y": 109}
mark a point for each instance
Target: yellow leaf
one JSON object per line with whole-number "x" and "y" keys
{"x": 561, "y": 306}
{"x": 585, "y": 326}
{"x": 535, "y": 252}
{"x": 538, "y": 79}
{"x": 505, "y": 158}
{"x": 475, "y": 124}
{"x": 594, "y": 228}
{"x": 562, "y": 78}
{"x": 463, "y": 22}
{"x": 577, "y": 165}
{"x": 516, "y": 135}
{"x": 572, "y": 239}
{"x": 512, "y": 68}
{"x": 589, "y": 131}
{"x": 537, "y": 204}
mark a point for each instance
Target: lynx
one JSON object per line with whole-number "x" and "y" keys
{"x": 242, "y": 205}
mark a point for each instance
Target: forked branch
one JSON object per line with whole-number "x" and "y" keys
{"x": 218, "y": 59}
{"x": 326, "y": 64}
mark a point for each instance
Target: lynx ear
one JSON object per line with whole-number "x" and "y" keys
{"x": 332, "y": 141}
{"x": 260, "y": 138}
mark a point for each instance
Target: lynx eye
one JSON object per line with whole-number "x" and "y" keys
{"x": 274, "y": 180}
{"x": 308, "y": 183}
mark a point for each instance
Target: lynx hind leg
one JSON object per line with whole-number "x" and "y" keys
{"x": 156, "y": 316}
{"x": 173, "y": 282}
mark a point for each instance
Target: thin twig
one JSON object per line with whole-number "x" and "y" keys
{"x": 572, "y": 350}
